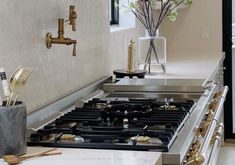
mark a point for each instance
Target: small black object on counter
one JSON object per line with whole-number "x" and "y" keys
{"x": 121, "y": 73}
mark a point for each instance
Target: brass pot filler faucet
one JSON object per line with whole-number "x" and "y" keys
{"x": 60, "y": 39}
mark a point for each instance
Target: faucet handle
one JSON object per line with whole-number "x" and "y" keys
{"x": 72, "y": 17}
{"x": 74, "y": 47}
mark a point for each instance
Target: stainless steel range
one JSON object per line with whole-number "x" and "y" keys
{"x": 174, "y": 117}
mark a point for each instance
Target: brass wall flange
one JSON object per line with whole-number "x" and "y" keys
{"x": 48, "y": 40}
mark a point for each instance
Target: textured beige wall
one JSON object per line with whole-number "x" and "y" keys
{"x": 23, "y": 27}
{"x": 184, "y": 36}
{"x": 25, "y": 23}
{"x": 118, "y": 48}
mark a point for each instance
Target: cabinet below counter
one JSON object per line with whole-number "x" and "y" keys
{"x": 91, "y": 157}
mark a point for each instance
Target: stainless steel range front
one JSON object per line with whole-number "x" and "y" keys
{"x": 176, "y": 117}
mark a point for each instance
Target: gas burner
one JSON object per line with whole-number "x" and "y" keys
{"x": 169, "y": 107}
{"x": 126, "y": 110}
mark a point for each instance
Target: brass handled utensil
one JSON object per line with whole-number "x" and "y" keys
{"x": 16, "y": 82}
{"x": 12, "y": 80}
{"x": 21, "y": 82}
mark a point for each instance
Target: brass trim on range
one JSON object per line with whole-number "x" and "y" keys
{"x": 196, "y": 155}
{"x": 198, "y": 160}
{"x": 218, "y": 133}
{"x": 217, "y": 94}
{"x": 213, "y": 105}
{"x": 201, "y": 131}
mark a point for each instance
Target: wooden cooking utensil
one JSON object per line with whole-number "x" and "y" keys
{"x": 13, "y": 159}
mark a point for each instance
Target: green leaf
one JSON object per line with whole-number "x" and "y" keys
{"x": 172, "y": 18}
{"x": 174, "y": 12}
{"x": 132, "y": 5}
{"x": 116, "y": 4}
{"x": 173, "y": 15}
{"x": 188, "y": 2}
{"x": 176, "y": 1}
{"x": 153, "y": 3}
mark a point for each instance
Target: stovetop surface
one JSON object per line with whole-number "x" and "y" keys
{"x": 117, "y": 123}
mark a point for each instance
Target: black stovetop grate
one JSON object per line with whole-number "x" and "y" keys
{"x": 136, "y": 124}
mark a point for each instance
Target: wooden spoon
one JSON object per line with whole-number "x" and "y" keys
{"x": 13, "y": 159}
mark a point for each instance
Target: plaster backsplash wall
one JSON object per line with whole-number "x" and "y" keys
{"x": 23, "y": 27}
{"x": 25, "y": 23}
{"x": 118, "y": 48}
{"x": 185, "y": 35}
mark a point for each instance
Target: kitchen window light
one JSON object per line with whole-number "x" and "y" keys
{"x": 113, "y": 12}
{"x": 120, "y": 19}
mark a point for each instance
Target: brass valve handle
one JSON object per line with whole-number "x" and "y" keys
{"x": 72, "y": 17}
{"x": 74, "y": 48}
{"x": 73, "y": 20}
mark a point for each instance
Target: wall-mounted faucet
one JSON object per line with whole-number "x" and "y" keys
{"x": 72, "y": 17}
{"x": 60, "y": 39}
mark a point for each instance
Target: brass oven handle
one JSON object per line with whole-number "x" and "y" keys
{"x": 200, "y": 156}
{"x": 214, "y": 122}
{"x": 215, "y": 140}
{"x": 218, "y": 133}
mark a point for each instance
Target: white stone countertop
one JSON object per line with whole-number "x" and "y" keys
{"x": 182, "y": 71}
{"x": 93, "y": 157}
{"x": 191, "y": 67}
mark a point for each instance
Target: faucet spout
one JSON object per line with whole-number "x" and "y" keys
{"x": 60, "y": 39}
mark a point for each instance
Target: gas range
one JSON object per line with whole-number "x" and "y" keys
{"x": 118, "y": 123}
{"x": 152, "y": 115}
